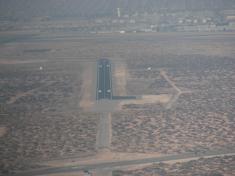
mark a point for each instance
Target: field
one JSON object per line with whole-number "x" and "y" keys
{"x": 201, "y": 118}
{"x": 184, "y": 85}
{"x": 42, "y": 118}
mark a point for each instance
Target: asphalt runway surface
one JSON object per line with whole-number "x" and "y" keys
{"x": 104, "y": 80}
{"x": 104, "y": 131}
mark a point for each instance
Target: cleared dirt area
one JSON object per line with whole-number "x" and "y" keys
{"x": 3, "y": 131}
{"x": 16, "y": 97}
{"x": 66, "y": 174}
{"x": 120, "y": 78}
{"x": 7, "y": 62}
{"x": 221, "y": 166}
{"x": 88, "y": 83}
{"x": 148, "y": 99}
{"x": 103, "y": 156}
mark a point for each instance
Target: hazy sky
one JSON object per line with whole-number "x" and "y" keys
{"x": 31, "y": 8}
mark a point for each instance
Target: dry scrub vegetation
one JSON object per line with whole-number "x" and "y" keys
{"x": 199, "y": 120}
{"x": 43, "y": 119}
{"x": 217, "y": 166}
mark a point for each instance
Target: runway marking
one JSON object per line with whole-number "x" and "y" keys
{"x": 104, "y": 80}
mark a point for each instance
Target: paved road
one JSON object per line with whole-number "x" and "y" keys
{"x": 104, "y": 80}
{"x": 104, "y": 132}
{"x": 115, "y": 164}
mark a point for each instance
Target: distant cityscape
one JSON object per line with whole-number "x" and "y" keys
{"x": 178, "y": 21}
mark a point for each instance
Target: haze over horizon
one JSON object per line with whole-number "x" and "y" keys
{"x": 98, "y": 8}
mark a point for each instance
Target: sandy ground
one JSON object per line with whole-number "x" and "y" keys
{"x": 66, "y": 174}
{"x": 18, "y": 96}
{"x": 140, "y": 46}
{"x": 94, "y": 173}
{"x": 23, "y": 94}
{"x": 120, "y": 77}
{"x": 142, "y": 166}
{"x": 148, "y": 99}
{"x": 103, "y": 173}
{"x": 179, "y": 92}
{"x": 165, "y": 76}
{"x": 3, "y": 131}
{"x": 87, "y": 84}
{"x": 8, "y": 62}
{"x": 103, "y": 156}
{"x": 112, "y": 157}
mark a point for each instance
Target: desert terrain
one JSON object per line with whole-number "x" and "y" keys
{"x": 184, "y": 84}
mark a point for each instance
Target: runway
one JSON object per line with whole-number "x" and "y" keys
{"x": 104, "y": 80}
